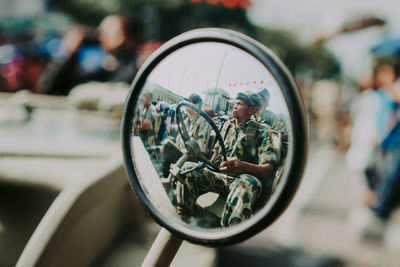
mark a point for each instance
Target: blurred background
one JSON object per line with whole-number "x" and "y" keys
{"x": 66, "y": 68}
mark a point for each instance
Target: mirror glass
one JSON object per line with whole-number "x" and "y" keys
{"x": 211, "y": 136}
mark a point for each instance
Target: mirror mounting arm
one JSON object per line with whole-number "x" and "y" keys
{"x": 163, "y": 250}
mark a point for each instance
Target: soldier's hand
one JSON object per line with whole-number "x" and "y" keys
{"x": 232, "y": 166}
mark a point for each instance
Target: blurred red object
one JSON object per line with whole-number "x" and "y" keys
{"x": 230, "y": 4}
{"x": 146, "y": 49}
{"x": 210, "y": 112}
{"x": 245, "y": 4}
{"x": 213, "y": 2}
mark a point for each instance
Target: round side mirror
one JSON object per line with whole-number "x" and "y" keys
{"x": 214, "y": 136}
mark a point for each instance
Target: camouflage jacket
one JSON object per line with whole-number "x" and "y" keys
{"x": 200, "y": 130}
{"x": 270, "y": 118}
{"x": 277, "y": 122}
{"x": 250, "y": 142}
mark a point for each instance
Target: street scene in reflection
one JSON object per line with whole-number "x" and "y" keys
{"x": 215, "y": 126}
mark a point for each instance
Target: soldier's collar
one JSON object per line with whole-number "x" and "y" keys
{"x": 242, "y": 126}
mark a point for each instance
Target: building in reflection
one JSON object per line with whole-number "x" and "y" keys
{"x": 161, "y": 94}
{"x": 219, "y": 100}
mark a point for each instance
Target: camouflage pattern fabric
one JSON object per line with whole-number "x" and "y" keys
{"x": 241, "y": 192}
{"x": 270, "y": 118}
{"x": 200, "y": 130}
{"x": 279, "y": 124}
{"x": 238, "y": 143}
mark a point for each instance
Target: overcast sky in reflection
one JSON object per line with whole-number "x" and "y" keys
{"x": 200, "y": 67}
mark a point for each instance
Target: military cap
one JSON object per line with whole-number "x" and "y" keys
{"x": 264, "y": 93}
{"x": 195, "y": 99}
{"x": 250, "y": 98}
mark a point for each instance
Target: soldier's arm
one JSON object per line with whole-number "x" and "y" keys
{"x": 266, "y": 151}
{"x": 235, "y": 167}
{"x": 267, "y": 159}
{"x": 203, "y": 136}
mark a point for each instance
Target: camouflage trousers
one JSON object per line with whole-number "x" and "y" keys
{"x": 241, "y": 192}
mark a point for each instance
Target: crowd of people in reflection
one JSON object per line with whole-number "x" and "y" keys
{"x": 255, "y": 140}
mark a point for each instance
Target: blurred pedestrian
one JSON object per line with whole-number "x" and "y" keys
{"x": 145, "y": 121}
{"x": 21, "y": 63}
{"x": 106, "y": 55}
{"x": 375, "y": 146}
{"x": 388, "y": 140}
{"x": 324, "y": 106}
{"x": 120, "y": 37}
{"x": 65, "y": 70}
{"x": 374, "y": 116}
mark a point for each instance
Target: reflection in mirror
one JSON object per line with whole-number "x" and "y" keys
{"x": 211, "y": 135}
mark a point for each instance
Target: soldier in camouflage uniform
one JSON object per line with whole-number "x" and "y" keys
{"x": 251, "y": 160}
{"x": 145, "y": 120}
{"x": 266, "y": 116}
{"x": 198, "y": 128}
{"x": 276, "y": 122}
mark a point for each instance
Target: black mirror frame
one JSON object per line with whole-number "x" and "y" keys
{"x": 289, "y": 185}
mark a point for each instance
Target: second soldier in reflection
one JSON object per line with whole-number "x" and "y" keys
{"x": 198, "y": 128}
{"x": 263, "y": 115}
{"x": 277, "y": 123}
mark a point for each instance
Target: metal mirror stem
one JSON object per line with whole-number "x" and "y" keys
{"x": 163, "y": 250}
